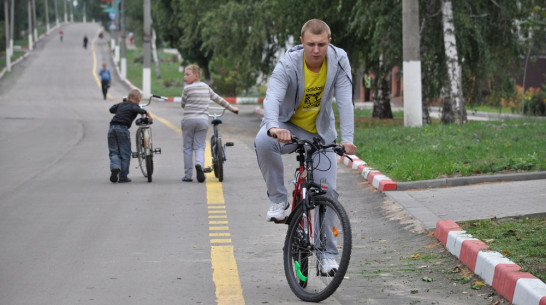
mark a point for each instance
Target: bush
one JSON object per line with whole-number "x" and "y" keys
{"x": 535, "y": 102}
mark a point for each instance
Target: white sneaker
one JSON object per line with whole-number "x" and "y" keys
{"x": 276, "y": 212}
{"x": 328, "y": 266}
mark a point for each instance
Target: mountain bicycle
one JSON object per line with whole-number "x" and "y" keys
{"x": 144, "y": 145}
{"x": 318, "y": 228}
{"x": 217, "y": 149}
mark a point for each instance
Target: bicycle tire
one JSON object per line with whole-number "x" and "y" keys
{"x": 214, "y": 156}
{"x": 149, "y": 166}
{"x": 219, "y": 160}
{"x": 313, "y": 285}
{"x": 141, "y": 149}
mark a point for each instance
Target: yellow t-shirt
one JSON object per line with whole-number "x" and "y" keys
{"x": 306, "y": 114}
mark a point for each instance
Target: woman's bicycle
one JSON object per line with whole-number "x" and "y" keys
{"x": 144, "y": 145}
{"x": 217, "y": 149}
{"x": 318, "y": 243}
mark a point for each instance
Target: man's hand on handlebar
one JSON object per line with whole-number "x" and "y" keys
{"x": 282, "y": 135}
{"x": 349, "y": 147}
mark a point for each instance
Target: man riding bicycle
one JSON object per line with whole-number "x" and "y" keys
{"x": 298, "y": 102}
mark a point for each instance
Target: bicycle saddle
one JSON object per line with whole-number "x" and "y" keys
{"x": 142, "y": 121}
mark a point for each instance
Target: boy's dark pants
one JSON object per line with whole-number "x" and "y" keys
{"x": 119, "y": 145}
{"x": 105, "y": 84}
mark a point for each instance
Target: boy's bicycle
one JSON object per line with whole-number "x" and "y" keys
{"x": 144, "y": 145}
{"x": 318, "y": 229}
{"x": 217, "y": 149}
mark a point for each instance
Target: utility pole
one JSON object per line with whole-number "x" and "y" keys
{"x": 413, "y": 108}
{"x": 30, "y": 25}
{"x": 35, "y": 27}
{"x": 11, "y": 27}
{"x": 84, "y": 13}
{"x": 123, "y": 41}
{"x": 71, "y": 11}
{"x": 56, "y": 13}
{"x": 65, "y": 13}
{"x": 146, "y": 72}
{"x": 47, "y": 16}
{"x": 6, "y": 17}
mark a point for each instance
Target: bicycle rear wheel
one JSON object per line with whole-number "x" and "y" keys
{"x": 149, "y": 166}
{"x": 329, "y": 237}
{"x": 141, "y": 150}
{"x": 219, "y": 170}
{"x": 214, "y": 157}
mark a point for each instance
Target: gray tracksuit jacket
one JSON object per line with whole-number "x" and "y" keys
{"x": 285, "y": 92}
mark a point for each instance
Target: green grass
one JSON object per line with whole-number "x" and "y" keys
{"x": 171, "y": 82}
{"x": 437, "y": 150}
{"x": 16, "y": 55}
{"x": 523, "y": 241}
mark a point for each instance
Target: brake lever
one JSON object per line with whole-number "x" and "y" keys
{"x": 341, "y": 152}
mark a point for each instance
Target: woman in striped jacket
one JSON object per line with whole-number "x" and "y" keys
{"x": 196, "y": 98}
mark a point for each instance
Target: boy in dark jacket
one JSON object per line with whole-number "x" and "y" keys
{"x": 119, "y": 139}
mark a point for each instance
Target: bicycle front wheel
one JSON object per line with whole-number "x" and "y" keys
{"x": 312, "y": 242}
{"x": 141, "y": 150}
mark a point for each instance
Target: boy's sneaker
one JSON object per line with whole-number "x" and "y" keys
{"x": 125, "y": 180}
{"x": 200, "y": 173}
{"x": 114, "y": 175}
{"x": 276, "y": 211}
{"x": 328, "y": 266}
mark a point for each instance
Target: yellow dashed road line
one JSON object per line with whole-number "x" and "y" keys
{"x": 225, "y": 273}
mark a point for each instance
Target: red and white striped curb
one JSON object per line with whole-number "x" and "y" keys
{"x": 231, "y": 100}
{"x": 520, "y": 288}
{"x": 374, "y": 177}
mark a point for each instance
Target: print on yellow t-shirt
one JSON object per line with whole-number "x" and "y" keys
{"x": 306, "y": 114}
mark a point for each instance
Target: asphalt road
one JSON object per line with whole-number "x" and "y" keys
{"x": 69, "y": 236}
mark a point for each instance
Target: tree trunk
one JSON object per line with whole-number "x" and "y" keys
{"x": 453, "y": 109}
{"x": 382, "y": 101}
{"x": 154, "y": 54}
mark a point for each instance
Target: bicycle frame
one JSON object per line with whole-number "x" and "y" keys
{"x": 218, "y": 150}
{"x": 144, "y": 144}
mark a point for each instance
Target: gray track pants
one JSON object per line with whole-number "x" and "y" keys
{"x": 194, "y": 133}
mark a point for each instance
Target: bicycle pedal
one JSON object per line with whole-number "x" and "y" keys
{"x": 207, "y": 170}
{"x": 280, "y": 221}
{"x": 134, "y": 155}
{"x": 157, "y": 150}
{"x": 230, "y": 143}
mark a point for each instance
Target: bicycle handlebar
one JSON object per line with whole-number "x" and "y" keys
{"x": 216, "y": 115}
{"x": 316, "y": 145}
{"x": 150, "y": 99}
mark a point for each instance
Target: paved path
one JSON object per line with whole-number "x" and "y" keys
{"x": 473, "y": 202}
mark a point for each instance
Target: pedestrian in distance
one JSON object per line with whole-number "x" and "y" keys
{"x": 85, "y": 40}
{"x": 119, "y": 138}
{"x": 105, "y": 80}
{"x": 61, "y": 34}
{"x": 298, "y": 102}
{"x": 196, "y": 98}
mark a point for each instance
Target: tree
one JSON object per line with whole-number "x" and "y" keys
{"x": 378, "y": 24}
{"x": 453, "y": 110}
